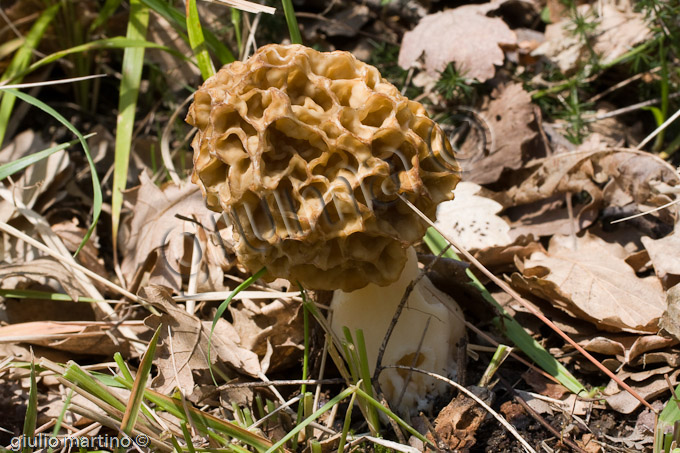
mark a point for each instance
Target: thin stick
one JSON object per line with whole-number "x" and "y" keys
{"x": 19, "y": 86}
{"x": 658, "y": 129}
{"x": 621, "y": 84}
{"x": 474, "y": 397}
{"x": 640, "y": 214}
{"x": 536, "y": 416}
{"x": 505, "y": 287}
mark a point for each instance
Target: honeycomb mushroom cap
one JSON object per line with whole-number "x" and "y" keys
{"x": 306, "y": 152}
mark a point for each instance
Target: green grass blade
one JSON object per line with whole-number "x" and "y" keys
{"x": 137, "y": 392}
{"x": 507, "y": 324}
{"x": 291, "y": 21}
{"x": 125, "y": 371}
{"x": 372, "y": 416}
{"x": 204, "y": 423}
{"x": 43, "y": 295}
{"x": 187, "y": 438}
{"x": 666, "y": 420}
{"x": 133, "y": 62}
{"x": 323, "y": 409}
{"x": 118, "y": 42}
{"x": 87, "y": 382}
{"x": 60, "y": 419}
{"x": 32, "y": 410}
{"x": 177, "y": 20}
{"x": 346, "y": 424}
{"x": 236, "y": 22}
{"x": 96, "y": 187}
{"x": 110, "y": 6}
{"x": 197, "y": 41}
{"x": 10, "y": 168}
{"x": 366, "y": 397}
{"x": 21, "y": 59}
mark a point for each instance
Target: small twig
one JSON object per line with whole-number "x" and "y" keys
{"x": 19, "y": 86}
{"x": 238, "y": 385}
{"x": 536, "y": 416}
{"x": 640, "y": 214}
{"x": 628, "y": 109}
{"x": 621, "y": 84}
{"x": 474, "y": 397}
{"x": 505, "y": 287}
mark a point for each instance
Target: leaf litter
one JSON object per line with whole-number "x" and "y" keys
{"x": 534, "y": 208}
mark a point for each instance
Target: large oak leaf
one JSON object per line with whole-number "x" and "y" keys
{"x": 593, "y": 282}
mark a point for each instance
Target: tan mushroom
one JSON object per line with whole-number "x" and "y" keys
{"x": 306, "y": 152}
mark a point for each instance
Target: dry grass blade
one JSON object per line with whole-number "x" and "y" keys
{"x": 249, "y": 7}
{"x": 505, "y": 287}
{"x": 29, "y": 240}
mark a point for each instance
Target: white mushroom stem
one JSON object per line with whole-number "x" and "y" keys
{"x": 372, "y": 309}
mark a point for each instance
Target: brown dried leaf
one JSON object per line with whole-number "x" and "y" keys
{"x": 271, "y": 328}
{"x": 40, "y": 271}
{"x": 665, "y": 256}
{"x": 626, "y": 347}
{"x": 75, "y": 337}
{"x": 457, "y": 424}
{"x": 649, "y": 389}
{"x": 472, "y": 219}
{"x": 670, "y": 320}
{"x": 190, "y": 337}
{"x": 464, "y": 35}
{"x": 628, "y": 177}
{"x": 512, "y": 125}
{"x": 158, "y": 241}
{"x": 616, "y": 33}
{"x": 43, "y": 177}
{"x": 594, "y": 283}
{"x": 502, "y": 258}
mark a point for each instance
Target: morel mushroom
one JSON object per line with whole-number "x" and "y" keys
{"x": 306, "y": 152}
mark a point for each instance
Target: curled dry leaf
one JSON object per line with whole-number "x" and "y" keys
{"x": 617, "y": 31}
{"x": 626, "y": 347}
{"x": 190, "y": 337}
{"x": 649, "y": 389}
{"x": 40, "y": 271}
{"x": 75, "y": 337}
{"x": 270, "y": 328}
{"x": 156, "y": 240}
{"x": 472, "y": 219}
{"x": 670, "y": 320}
{"x": 594, "y": 283}
{"x": 502, "y": 258}
{"x": 629, "y": 177}
{"x": 512, "y": 139}
{"x": 464, "y": 36}
{"x": 665, "y": 256}
{"x": 43, "y": 177}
